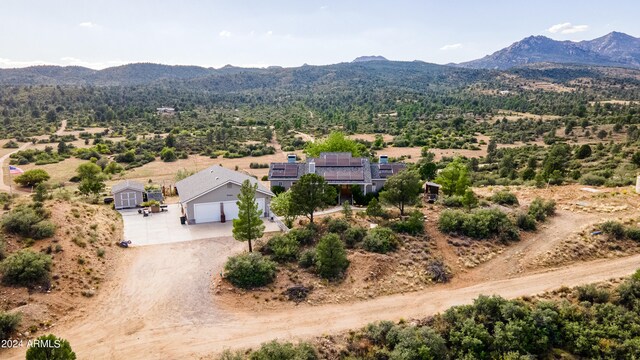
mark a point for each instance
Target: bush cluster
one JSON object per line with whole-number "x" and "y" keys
{"x": 505, "y": 198}
{"x": 275, "y": 350}
{"x": 354, "y": 235}
{"x": 283, "y": 248}
{"x": 29, "y": 222}
{"x": 26, "y": 268}
{"x": 8, "y": 324}
{"x": 540, "y": 209}
{"x": 619, "y": 231}
{"x": 380, "y": 240}
{"x": 413, "y": 225}
{"x": 478, "y": 224}
{"x": 250, "y": 270}
{"x": 330, "y": 257}
{"x": 337, "y": 226}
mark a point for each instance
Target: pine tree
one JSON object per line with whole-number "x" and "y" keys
{"x": 248, "y": 226}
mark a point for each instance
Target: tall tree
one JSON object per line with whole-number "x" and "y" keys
{"x": 248, "y": 226}
{"x": 402, "y": 189}
{"x": 282, "y": 205}
{"x": 336, "y": 141}
{"x": 454, "y": 178}
{"x": 310, "y": 193}
{"x": 91, "y": 179}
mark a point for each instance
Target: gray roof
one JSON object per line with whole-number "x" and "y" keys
{"x": 127, "y": 184}
{"x": 370, "y": 171}
{"x": 211, "y": 178}
{"x": 429, "y": 183}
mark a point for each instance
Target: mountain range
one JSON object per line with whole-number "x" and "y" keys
{"x": 614, "y": 49}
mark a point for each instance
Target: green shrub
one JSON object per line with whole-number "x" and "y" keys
{"x": 331, "y": 258}
{"x": 304, "y": 236}
{"x": 337, "y": 226}
{"x": 592, "y": 294}
{"x": 454, "y": 201}
{"x": 525, "y": 222}
{"x": 250, "y": 270}
{"x": 413, "y": 342}
{"x": 50, "y": 347}
{"x": 283, "y": 248}
{"x": 43, "y": 229}
{"x": 504, "y": 198}
{"x": 26, "y": 268}
{"x": 631, "y": 232}
{"x": 413, "y": 225}
{"x": 8, "y": 324}
{"x": 354, "y": 235}
{"x": 613, "y": 229}
{"x": 380, "y": 240}
{"x": 307, "y": 258}
{"x": 479, "y": 224}
{"x": 541, "y": 209}
{"x": 592, "y": 180}
{"x": 284, "y": 351}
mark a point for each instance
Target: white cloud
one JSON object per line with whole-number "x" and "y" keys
{"x": 567, "y": 28}
{"x": 451, "y": 47}
{"x": 87, "y": 24}
{"x": 225, "y": 34}
{"x": 269, "y": 33}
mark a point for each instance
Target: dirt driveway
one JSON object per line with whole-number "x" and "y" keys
{"x": 162, "y": 305}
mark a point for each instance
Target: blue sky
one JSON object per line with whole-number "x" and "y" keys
{"x": 98, "y": 34}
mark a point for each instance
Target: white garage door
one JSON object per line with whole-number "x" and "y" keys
{"x": 230, "y": 210}
{"x": 206, "y": 212}
{"x": 210, "y": 212}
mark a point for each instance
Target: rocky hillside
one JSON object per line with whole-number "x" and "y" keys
{"x": 614, "y": 49}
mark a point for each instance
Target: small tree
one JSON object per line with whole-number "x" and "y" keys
{"x": 41, "y": 193}
{"x": 454, "y": 178}
{"x": 50, "y": 347}
{"x": 248, "y": 226}
{"x": 168, "y": 154}
{"x": 310, "y": 193}
{"x": 32, "y": 177}
{"x": 91, "y": 179}
{"x": 346, "y": 210}
{"x": 402, "y": 189}
{"x": 282, "y": 205}
{"x": 374, "y": 209}
{"x": 331, "y": 258}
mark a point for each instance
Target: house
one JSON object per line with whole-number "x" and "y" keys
{"x": 338, "y": 168}
{"x": 127, "y": 194}
{"x": 165, "y": 111}
{"x": 211, "y": 195}
{"x": 431, "y": 191}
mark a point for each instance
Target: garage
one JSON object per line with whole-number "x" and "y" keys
{"x": 210, "y": 212}
{"x": 127, "y": 194}
{"x": 206, "y": 195}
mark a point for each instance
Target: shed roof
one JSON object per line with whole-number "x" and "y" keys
{"x": 127, "y": 184}
{"x": 211, "y": 178}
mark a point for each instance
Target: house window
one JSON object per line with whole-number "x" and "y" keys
{"x": 373, "y": 188}
{"x": 279, "y": 183}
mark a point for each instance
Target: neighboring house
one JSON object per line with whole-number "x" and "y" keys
{"x": 127, "y": 194}
{"x": 337, "y": 168}
{"x": 211, "y": 195}
{"x": 165, "y": 111}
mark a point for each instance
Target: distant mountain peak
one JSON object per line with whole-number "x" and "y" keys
{"x": 369, "y": 58}
{"x": 613, "y": 49}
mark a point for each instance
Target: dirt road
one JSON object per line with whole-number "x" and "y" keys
{"x": 6, "y": 187}
{"x": 161, "y": 306}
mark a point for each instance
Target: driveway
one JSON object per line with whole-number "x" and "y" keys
{"x": 165, "y": 228}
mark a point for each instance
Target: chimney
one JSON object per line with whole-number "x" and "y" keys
{"x": 384, "y": 159}
{"x": 291, "y": 158}
{"x": 312, "y": 167}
